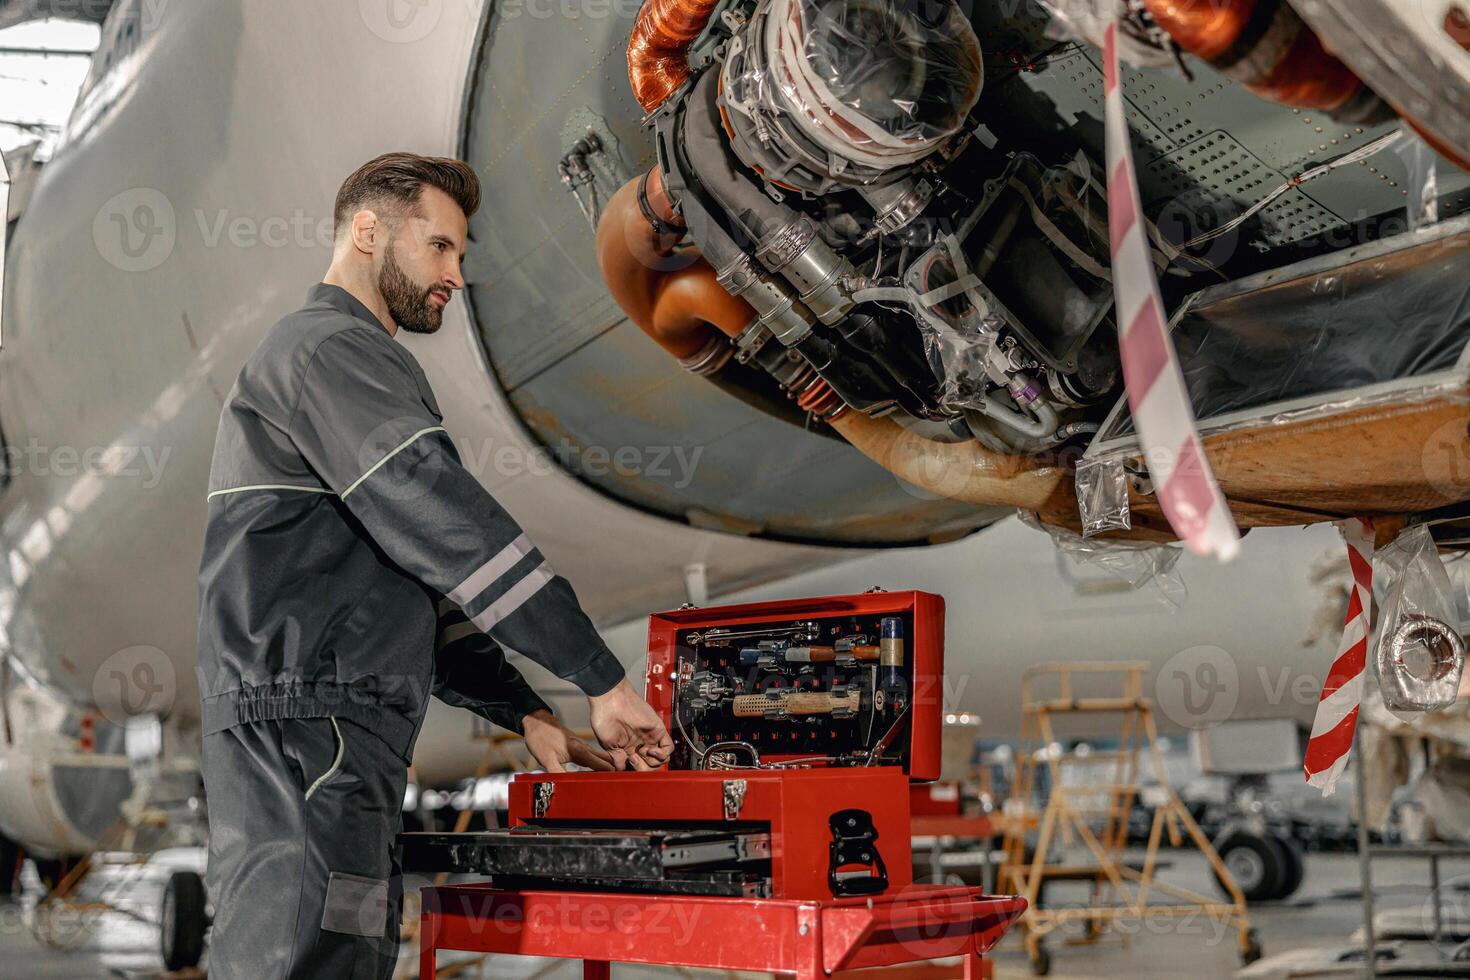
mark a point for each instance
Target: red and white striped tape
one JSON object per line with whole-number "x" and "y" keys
{"x": 1187, "y": 491}
{"x": 1342, "y": 691}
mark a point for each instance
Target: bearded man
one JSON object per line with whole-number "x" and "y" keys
{"x": 352, "y": 567}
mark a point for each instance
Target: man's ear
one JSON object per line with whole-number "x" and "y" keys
{"x": 365, "y": 230}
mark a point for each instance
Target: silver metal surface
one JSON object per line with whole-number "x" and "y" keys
{"x": 541, "y": 802}
{"x": 732, "y": 792}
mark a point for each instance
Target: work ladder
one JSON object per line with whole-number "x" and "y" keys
{"x": 1062, "y": 798}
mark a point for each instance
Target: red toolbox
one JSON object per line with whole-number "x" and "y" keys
{"x": 805, "y": 690}
{"x": 798, "y": 728}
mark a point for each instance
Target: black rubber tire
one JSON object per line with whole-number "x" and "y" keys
{"x": 1258, "y": 865}
{"x": 1041, "y": 962}
{"x": 10, "y": 858}
{"x": 182, "y": 921}
{"x": 1295, "y": 869}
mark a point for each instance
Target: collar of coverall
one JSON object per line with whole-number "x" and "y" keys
{"x": 340, "y": 299}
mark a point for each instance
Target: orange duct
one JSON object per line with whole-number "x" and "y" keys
{"x": 675, "y": 299}
{"x": 658, "y": 48}
{"x": 1263, "y": 44}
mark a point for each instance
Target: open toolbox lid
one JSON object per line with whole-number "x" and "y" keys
{"x": 802, "y": 682}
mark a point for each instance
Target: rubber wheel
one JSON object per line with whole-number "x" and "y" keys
{"x": 10, "y": 857}
{"x": 1258, "y": 865}
{"x": 1041, "y": 962}
{"x": 1295, "y": 869}
{"x": 182, "y": 921}
{"x": 1252, "y": 950}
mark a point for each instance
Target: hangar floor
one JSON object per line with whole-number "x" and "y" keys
{"x": 1323, "y": 914}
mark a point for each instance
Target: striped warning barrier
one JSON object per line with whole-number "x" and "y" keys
{"x": 1187, "y": 491}
{"x": 1342, "y": 691}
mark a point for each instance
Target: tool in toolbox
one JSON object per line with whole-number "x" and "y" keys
{"x": 797, "y": 728}
{"x": 783, "y": 716}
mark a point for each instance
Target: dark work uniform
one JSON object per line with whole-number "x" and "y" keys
{"x": 352, "y": 567}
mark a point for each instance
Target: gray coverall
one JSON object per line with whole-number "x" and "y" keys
{"x": 352, "y": 567}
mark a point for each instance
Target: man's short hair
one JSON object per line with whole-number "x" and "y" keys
{"x": 400, "y": 178}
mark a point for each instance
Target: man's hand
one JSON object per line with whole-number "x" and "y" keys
{"x": 553, "y": 745}
{"x": 629, "y": 729}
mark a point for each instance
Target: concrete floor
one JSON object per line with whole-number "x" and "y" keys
{"x": 1322, "y": 915}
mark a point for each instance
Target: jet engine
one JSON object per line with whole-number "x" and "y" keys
{"x": 828, "y": 225}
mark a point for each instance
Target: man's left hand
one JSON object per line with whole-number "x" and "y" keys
{"x": 553, "y": 745}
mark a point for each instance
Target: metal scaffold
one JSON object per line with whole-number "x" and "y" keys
{"x": 1066, "y": 800}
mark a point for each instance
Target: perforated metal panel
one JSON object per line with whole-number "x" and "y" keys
{"x": 1208, "y": 148}
{"x": 1217, "y": 173}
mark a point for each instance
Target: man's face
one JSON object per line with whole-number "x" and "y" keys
{"x": 419, "y": 270}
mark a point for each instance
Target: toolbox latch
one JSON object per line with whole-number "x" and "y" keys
{"x": 541, "y": 802}
{"x": 733, "y": 791}
{"x": 855, "y": 867}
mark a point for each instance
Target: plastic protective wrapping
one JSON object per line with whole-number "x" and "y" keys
{"x": 958, "y": 331}
{"x": 1418, "y": 653}
{"x": 1085, "y": 20}
{"x": 958, "y": 353}
{"x": 1138, "y": 563}
{"x": 1102, "y": 496}
{"x": 871, "y": 83}
{"x": 1389, "y": 318}
{"x": 1422, "y": 203}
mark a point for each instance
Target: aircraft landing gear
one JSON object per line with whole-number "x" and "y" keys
{"x": 1267, "y": 867}
{"x": 183, "y": 921}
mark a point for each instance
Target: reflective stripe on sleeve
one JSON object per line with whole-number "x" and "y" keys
{"x": 481, "y": 577}
{"x": 514, "y": 597}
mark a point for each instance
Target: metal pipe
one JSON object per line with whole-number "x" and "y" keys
{"x": 1041, "y": 427}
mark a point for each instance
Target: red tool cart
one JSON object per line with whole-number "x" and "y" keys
{"x": 778, "y": 838}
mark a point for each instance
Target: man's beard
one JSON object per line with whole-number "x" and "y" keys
{"x": 408, "y": 302}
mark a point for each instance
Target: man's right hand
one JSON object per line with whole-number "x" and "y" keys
{"x": 630, "y": 729}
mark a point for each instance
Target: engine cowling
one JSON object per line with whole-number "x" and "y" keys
{"x": 63, "y": 774}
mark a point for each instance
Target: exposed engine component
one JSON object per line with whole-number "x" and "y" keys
{"x": 658, "y": 48}
{"x": 847, "y": 244}
{"x": 820, "y": 95}
{"x": 1363, "y": 63}
{"x": 574, "y": 173}
{"x": 881, "y": 315}
{"x": 57, "y": 798}
{"x": 825, "y": 233}
{"x": 1265, "y": 45}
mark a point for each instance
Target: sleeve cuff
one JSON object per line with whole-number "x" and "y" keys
{"x": 599, "y": 675}
{"x": 524, "y": 703}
